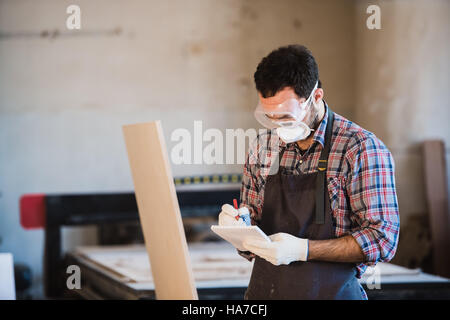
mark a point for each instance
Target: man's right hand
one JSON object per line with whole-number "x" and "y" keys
{"x": 227, "y": 217}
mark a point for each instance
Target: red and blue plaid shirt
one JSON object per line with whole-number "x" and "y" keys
{"x": 361, "y": 184}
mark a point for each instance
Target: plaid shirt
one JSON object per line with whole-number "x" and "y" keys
{"x": 361, "y": 184}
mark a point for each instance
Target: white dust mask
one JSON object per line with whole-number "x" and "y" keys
{"x": 286, "y": 118}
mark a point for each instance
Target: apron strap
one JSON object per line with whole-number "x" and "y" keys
{"x": 322, "y": 172}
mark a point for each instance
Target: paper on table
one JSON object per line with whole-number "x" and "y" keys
{"x": 237, "y": 234}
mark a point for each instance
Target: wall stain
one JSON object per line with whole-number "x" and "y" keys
{"x": 248, "y": 13}
{"x": 196, "y": 49}
{"x": 297, "y": 23}
{"x": 56, "y": 33}
{"x": 245, "y": 82}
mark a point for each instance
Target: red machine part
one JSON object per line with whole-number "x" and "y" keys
{"x": 32, "y": 211}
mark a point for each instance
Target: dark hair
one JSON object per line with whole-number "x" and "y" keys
{"x": 290, "y": 66}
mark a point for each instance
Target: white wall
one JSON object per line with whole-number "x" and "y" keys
{"x": 64, "y": 98}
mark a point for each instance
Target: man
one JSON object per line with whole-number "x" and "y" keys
{"x": 331, "y": 208}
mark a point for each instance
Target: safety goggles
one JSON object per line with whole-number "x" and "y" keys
{"x": 288, "y": 114}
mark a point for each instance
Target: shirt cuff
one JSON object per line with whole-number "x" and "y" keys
{"x": 368, "y": 241}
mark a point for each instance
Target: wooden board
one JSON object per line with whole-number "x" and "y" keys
{"x": 159, "y": 211}
{"x": 435, "y": 176}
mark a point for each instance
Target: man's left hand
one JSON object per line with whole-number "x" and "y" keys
{"x": 283, "y": 248}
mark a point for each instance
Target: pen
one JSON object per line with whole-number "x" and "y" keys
{"x": 236, "y": 207}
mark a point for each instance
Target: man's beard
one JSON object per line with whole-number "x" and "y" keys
{"x": 314, "y": 120}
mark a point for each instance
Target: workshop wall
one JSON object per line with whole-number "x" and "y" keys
{"x": 64, "y": 95}
{"x": 402, "y": 81}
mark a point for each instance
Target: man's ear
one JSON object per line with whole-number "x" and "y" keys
{"x": 318, "y": 95}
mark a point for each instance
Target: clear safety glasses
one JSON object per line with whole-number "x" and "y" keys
{"x": 288, "y": 114}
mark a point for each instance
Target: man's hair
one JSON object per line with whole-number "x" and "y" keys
{"x": 290, "y": 66}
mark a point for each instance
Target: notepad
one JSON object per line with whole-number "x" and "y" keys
{"x": 237, "y": 234}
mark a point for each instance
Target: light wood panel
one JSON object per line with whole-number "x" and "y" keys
{"x": 159, "y": 211}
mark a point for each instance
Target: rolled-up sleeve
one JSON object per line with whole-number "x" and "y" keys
{"x": 373, "y": 200}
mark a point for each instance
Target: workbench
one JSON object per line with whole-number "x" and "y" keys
{"x": 123, "y": 272}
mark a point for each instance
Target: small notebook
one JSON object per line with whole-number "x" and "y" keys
{"x": 237, "y": 234}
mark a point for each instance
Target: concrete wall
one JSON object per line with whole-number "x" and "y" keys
{"x": 402, "y": 81}
{"x": 64, "y": 96}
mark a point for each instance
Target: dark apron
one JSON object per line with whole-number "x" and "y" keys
{"x": 300, "y": 205}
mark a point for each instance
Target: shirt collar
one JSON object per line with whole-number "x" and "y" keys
{"x": 319, "y": 134}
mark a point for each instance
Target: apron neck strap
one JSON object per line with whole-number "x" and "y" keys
{"x": 322, "y": 167}
{"x": 326, "y": 148}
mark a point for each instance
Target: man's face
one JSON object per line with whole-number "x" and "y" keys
{"x": 281, "y": 96}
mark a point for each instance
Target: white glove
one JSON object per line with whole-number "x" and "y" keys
{"x": 227, "y": 217}
{"x": 283, "y": 249}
